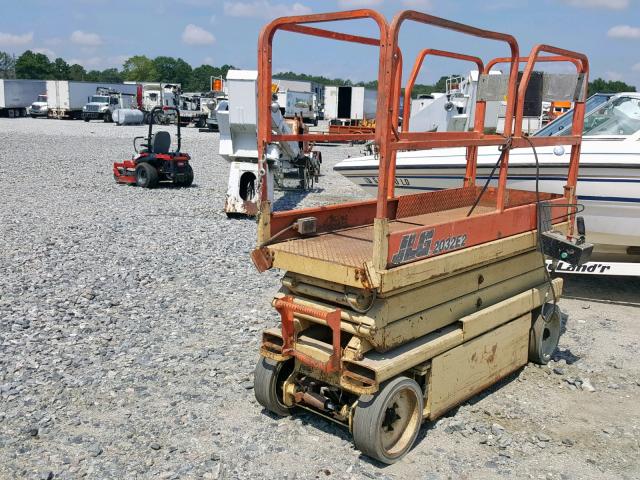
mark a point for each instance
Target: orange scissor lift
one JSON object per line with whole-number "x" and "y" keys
{"x": 394, "y": 310}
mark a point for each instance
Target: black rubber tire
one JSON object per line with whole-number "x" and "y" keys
{"x": 268, "y": 378}
{"x": 146, "y": 175}
{"x": 189, "y": 180}
{"x": 373, "y": 411}
{"x": 544, "y": 334}
{"x": 86, "y": 119}
{"x": 107, "y": 117}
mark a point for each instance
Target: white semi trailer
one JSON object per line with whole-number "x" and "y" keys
{"x": 349, "y": 103}
{"x": 66, "y": 98}
{"x": 16, "y": 96}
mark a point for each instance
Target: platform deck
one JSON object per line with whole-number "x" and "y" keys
{"x": 353, "y": 247}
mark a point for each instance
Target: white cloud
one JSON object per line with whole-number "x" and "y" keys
{"x": 207, "y": 61}
{"x": 624, "y": 31}
{"x": 194, "y": 35}
{"x": 87, "y": 39}
{"x": 636, "y": 67}
{"x": 615, "y": 76}
{"x": 610, "y": 4}
{"x": 51, "y": 55}
{"x": 264, "y": 9}
{"x": 358, "y": 3}
{"x": 421, "y": 4}
{"x": 11, "y": 40}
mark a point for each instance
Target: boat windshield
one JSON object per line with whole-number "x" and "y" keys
{"x": 620, "y": 116}
{"x": 563, "y": 123}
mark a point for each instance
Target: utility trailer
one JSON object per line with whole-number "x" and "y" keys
{"x": 17, "y": 95}
{"x": 66, "y": 98}
{"x": 397, "y": 309}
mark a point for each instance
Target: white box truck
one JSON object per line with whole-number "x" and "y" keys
{"x": 16, "y": 96}
{"x": 65, "y": 98}
{"x": 349, "y": 103}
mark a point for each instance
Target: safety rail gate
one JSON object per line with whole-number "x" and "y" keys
{"x": 378, "y": 244}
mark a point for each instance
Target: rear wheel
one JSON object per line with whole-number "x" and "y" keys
{"x": 189, "y": 176}
{"x": 268, "y": 380}
{"x": 545, "y": 333}
{"x": 146, "y": 175}
{"x": 385, "y": 425}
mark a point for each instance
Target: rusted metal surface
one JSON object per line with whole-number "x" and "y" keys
{"x": 505, "y": 220}
{"x": 262, "y": 259}
{"x": 551, "y": 58}
{"x": 237, "y": 205}
{"x": 287, "y": 308}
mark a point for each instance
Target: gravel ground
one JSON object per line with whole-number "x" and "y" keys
{"x": 129, "y": 329}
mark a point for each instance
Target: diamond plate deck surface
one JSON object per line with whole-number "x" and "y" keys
{"x": 354, "y": 246}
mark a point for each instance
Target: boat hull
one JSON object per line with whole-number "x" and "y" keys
{"x": 609, "y": 191}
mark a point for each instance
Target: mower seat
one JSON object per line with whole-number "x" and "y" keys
{"x": 161, "y": 142}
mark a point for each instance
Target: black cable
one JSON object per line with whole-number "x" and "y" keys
{"x": 539, "y": 235}
{"x": 503, "y": 149}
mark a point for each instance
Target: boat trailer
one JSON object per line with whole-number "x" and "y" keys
{"x": 397, "y": 309}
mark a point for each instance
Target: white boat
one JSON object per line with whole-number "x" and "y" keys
{"x": 608, "y": 183}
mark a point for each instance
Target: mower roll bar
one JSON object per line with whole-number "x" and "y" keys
{"x": 151, "y": 117}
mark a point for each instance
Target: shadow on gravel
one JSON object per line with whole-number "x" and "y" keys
{"x": 291, "y": 198}
{"x": 605, "y": 289}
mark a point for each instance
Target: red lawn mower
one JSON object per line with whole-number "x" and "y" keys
{"x": 155, "y": 162}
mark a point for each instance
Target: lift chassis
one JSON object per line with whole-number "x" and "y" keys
{"x": 395, "y": 310}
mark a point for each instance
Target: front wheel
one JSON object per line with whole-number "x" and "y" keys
{"x": 146, "y": 175}
{"x": 545, "y": 333}
{"x": 268, "y": 380}
{"x": 386, "y": 424}
{"x": 107, "y": 117}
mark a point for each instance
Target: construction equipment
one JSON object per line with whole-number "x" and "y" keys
{"x": 292, "y": 165}
{"x": 105, "y": 102}
{"x": 397, "y": 309}
{"x": 156, "y": 162}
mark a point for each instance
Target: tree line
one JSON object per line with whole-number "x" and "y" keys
{"x": 141, "y": 68}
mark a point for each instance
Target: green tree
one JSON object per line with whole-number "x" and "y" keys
{"x": 200, "y": 77}
{"x": 77, "y": 72}
{"x": 7, "y": 65}
{"x": 600, "y": 85}
{"x": 172, "y": 70}
{"x": 33, "y": 65}
{"x": 111, "y": 75}
{"x": 140, "y": 68}
{"x": 93, "y": 76}
{"x": 60, "y": 69}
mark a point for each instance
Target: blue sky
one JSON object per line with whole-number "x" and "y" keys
{"x": 102, "y": 33}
